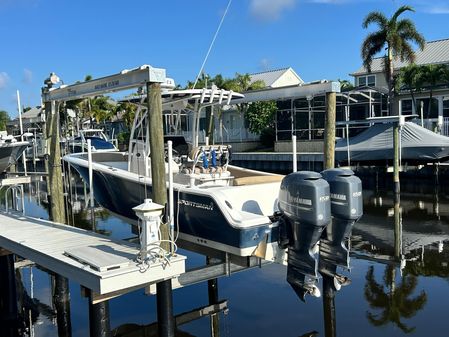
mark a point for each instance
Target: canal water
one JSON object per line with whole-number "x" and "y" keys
{"x": 399, "y": 280}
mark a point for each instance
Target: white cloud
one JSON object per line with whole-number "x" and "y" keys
{"x": 27, "y": 76}
{"x": 269, "y": 10}
{"x": 437, "y": 10}
{"x": 4, "y": 79}
{"x": 264, "y": 64}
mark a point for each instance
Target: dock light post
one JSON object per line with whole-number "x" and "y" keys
{"x": 150, "y": 214}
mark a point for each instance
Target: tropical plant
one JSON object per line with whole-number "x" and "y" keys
{"x": 394, "y": 301}
{"x": 430, "y": 75}
{"x": 126, "y": 111}
{"x": 260, "y": 115}
{"x": 345, "y": 85}
{"x": 242, "y": 83}
{"x": 4, "y": 118}
{"x": 101, "y": 109}
{"x": 396, "y": 36}
{"x": 409, "y": 78}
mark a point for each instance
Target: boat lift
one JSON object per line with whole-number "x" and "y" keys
{"x": 222, "y": 264}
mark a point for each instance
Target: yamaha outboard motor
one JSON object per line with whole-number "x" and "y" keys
{"x": 305, "y": 211}
{"x": 346, "y": 209}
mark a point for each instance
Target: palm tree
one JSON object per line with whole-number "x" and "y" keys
{"x": 345, "y": 85}
{"x": 394, "y": 301}
{"x": 4, "y": 118}
{"x": 395, "y": 36}
{"x": 431, "y": 75}
{"x": 409, "y": 77}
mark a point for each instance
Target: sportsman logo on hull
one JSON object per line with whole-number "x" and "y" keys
{"x": 194, "y": 204}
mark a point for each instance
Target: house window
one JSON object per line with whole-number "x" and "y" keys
{"x": 407, "y": 108}
{"x": 446, "y": 107}
{"x": 369, "y": 80}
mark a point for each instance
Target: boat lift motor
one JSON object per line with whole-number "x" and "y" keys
{"x": 150, "y": 215}
{"x": 304, "y": 205}
{"x": 346, "y": 209}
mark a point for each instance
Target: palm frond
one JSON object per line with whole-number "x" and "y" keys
{"x": 401, "y": 10}
{"x": 375, "y": 17}
{"x": 373, "y": 44}
{"x": 407, "y": 53}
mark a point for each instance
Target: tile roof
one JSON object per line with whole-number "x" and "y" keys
{"x": 435, "y": 52}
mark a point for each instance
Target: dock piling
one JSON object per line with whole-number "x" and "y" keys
{"x": 61, "y": 300}
{"x": 166, "y": 320}
{"x": 54, "y": 167}
{"x": 329, "y": 131}
{"x": 8, "y": 296}
{"x": 99, "y": 321}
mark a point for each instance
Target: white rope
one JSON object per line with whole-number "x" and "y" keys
{"x": 211, "y": 44}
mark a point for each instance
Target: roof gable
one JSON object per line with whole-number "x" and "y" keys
{"x": 277, "y": 78}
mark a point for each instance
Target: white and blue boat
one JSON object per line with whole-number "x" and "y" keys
{"x": 98, "y": 140}
{"x": 216, "y": 205}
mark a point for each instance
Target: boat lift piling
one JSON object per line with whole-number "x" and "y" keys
{"x": 166, "y": 320}
{"x": 55, "y": 167}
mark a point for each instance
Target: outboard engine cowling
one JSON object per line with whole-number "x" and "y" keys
{"x": 304, "y": 203}
{"x": 346, "y": 209}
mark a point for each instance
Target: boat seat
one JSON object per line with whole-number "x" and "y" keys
{"x": 253, "y": 180}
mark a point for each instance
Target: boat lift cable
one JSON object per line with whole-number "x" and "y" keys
{"x": 211, "y": 44}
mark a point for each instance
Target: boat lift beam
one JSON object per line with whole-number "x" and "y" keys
{"x": 126, "y": 79}
{"x": 296, "y": 91}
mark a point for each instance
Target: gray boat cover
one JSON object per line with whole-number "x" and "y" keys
{"x": 376, "y": 144}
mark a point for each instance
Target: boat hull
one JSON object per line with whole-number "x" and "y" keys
{"x": 198, "y": 216}
{"x": 9, "y": 153}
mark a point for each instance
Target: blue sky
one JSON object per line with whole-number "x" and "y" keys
{"x": 318, "y": 38}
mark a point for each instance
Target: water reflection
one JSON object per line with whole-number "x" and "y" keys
{"x": 393, "y": 299}
{"x": 399, "y": 250}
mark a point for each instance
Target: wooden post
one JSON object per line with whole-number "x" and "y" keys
{"x": 397, "y": 188}
{"x": 329, "y": 131}
{"x": 330, "y": 317}
{"x": 212, "y": 292}
{"x": 54, "y": 167}
{"x": 8, "y": 297}
{"x": 329, "y": 162}
{"x": 99, "y": 321}
{"x": 166, "y": 320}
{"x": 61, "y": 300}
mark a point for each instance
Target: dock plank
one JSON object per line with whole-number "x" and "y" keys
{"x": 97, "y": 262}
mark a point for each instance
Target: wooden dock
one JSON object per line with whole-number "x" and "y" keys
{"x": 97, "y": 262}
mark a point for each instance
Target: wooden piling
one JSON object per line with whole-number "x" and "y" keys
{"x": 329, "y": 163}
{"x": 329, "y": 131}
{"x": 61, "y": 300}
{"x": 166, "y": 321}
{"x": 8, "y": 297}
{"x": 54, "y": 164}
{"x": 99, "y": 318}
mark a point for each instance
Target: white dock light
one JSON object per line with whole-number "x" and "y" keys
{"x": 150, "y": 214}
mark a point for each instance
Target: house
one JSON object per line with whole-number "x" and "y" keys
{"x": 277, "y": 78}
{"x": 31, "y": 119}
{"x": 434, "y": 52}
{"x": 232, "y": 128}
